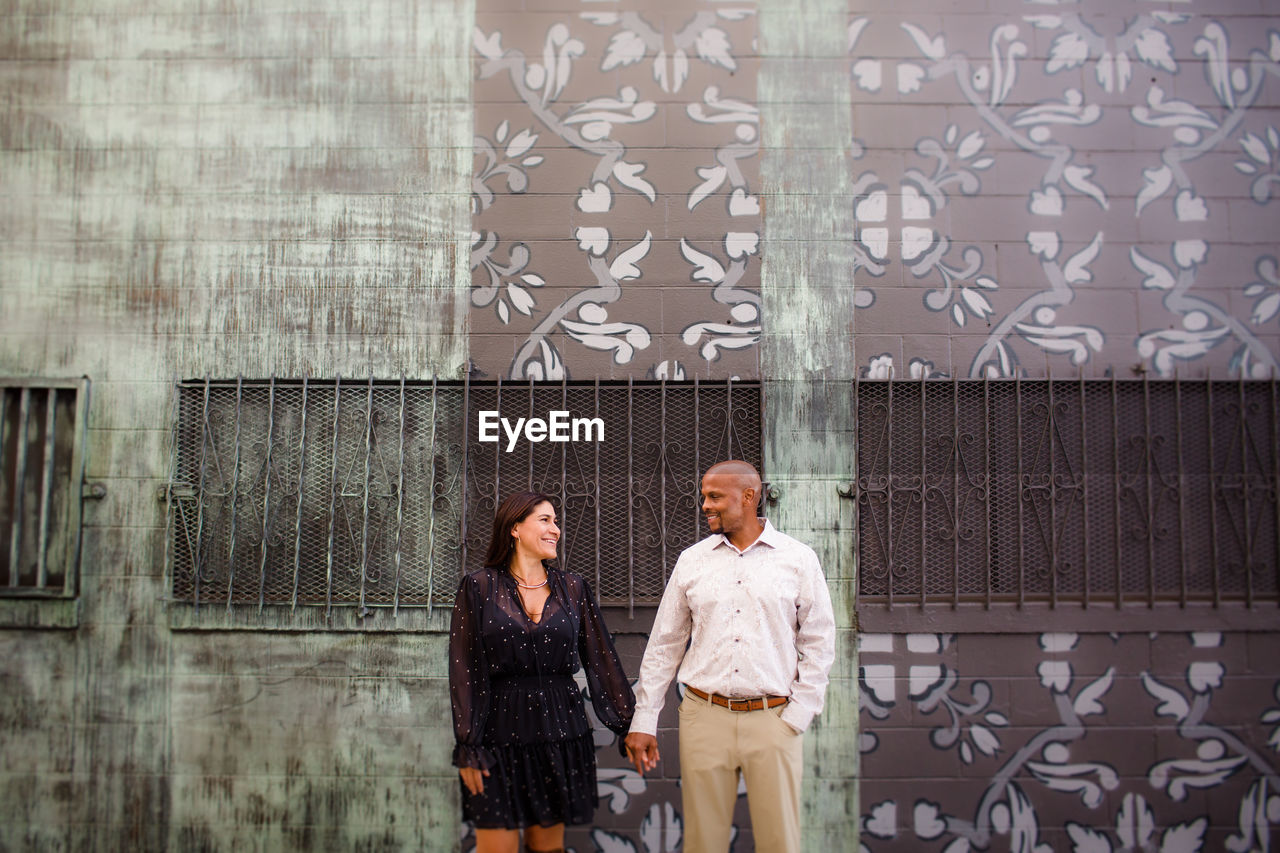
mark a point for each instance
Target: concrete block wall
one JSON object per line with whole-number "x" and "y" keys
{"x": 789, "y": 192}
{"x": 193, "y": 191}
{"x": 1066, "y": 741}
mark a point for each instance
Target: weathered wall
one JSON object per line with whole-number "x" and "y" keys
{"x": 655, "y": 190}
{"x": 806, "y": 362}
{"x": 262, "y": 189}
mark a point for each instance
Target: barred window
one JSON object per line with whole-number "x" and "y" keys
{"x": 1088, "y": 492}
{"x": 629, "y": 504}
{"x": 314, "y": 493}
{"x": 377, "y": 494}
{"x": 42, "y": 427}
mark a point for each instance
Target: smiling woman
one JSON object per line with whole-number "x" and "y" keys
{"x": 520, "y": 630}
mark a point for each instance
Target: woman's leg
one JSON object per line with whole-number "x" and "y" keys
{"x": 497, "y": 841}
{"x": 538, "y": 839}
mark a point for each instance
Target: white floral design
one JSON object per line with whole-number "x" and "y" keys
{"x": 636, "y": 39}
{"x": 920, "y": 198}
{"x": 989, "y": 85}
{"x": 1265, "y": 291}
{"x": 1263, "y": 153}
{"x": 1135, "y": 829}
{"x": 1079, "y": 42}
{"x": 512, "y": 162}
{"x": 509, "y": 286}
{"x": 592, "y": 125}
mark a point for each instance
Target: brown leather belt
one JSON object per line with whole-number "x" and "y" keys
{"x": 756, "y": 703}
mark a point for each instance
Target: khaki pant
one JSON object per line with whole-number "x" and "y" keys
{"x": 715, "y": 744}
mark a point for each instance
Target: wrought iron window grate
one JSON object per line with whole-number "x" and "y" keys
{"x": 629, "y": 504}
{"x": 42, "y": 427}
{"x": 374, "y": 493}
{"x": 1089, "y": 492}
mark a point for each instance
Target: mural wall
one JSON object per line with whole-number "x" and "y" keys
{"x": 616, "y": 216}
{"x": 547, "y": 188}
{"x": 1064, "y": 187}
{"x": 1040, "y": 188}
{"x": 1070, "y": 742}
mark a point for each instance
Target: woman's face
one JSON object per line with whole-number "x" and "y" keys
{"x": 537, "y": 534}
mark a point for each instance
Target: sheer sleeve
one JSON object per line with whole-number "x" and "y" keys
{"x": 611, "y": 693}
{"x": 468, "y": 678}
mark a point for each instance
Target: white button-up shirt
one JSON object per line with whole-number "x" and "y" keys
{"x": 758, "y": 623}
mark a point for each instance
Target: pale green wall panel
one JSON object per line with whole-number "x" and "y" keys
{"x": 806, "y": 356}
{"x": 278, "y": 189}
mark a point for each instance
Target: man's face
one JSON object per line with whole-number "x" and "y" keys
{"x": 723, "y": 503}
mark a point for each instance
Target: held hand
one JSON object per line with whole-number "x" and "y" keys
{"x": 642, "y": 749}
{"x": 473, "y": 779}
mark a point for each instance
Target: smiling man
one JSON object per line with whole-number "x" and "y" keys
{"x": 746, "y": 620}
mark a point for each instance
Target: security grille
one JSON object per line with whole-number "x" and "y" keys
{"x": 41, "y": 474}
{"x": 1088, "y": 491}
{"x": 373, "y": 493}
{"x": 629, "y": 504}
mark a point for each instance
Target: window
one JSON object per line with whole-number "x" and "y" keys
{"x": 1088, "y": 493}
{"x": 314, "y": 493}
{"x": 628, "y": 504}
{"x": 372, "y": 495}
{"x": 42, "y": 428}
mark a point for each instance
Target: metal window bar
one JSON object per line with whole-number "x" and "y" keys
{"x": 42, "y": 442}
{"x": 1013, "y": 482}
{"x": 367, "y": 493}
{"x": 335, "y": 490}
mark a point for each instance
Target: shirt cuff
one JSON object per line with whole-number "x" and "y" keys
{"x": 796, "y": 717}
{"x": 645, "y": 723}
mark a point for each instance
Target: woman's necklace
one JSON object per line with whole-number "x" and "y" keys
{"x": 535, "y": 615}
{"x": 524, "y": 585}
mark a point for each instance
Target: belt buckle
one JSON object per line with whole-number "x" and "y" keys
{"x": 745, "y": 703}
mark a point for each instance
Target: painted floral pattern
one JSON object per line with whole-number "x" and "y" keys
{"x": 1034, "y": 103}
{"x": 1048, "y": 187}
{"x": 639, "y": 257}
{"x": 1031, "y": 766}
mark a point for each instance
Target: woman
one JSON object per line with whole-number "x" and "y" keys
{"x": 520, "y": 630}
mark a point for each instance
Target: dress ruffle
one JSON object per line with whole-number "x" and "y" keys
{"x": 536, "y": 783}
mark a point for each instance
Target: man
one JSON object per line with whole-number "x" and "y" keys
{"x": 753, "y": 606}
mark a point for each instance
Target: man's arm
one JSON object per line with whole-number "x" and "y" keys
{"x": 662, "y": 656}
{"x": 815, "y": 646}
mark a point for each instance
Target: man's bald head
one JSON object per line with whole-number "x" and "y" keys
{"x": 730, "y": 494}
{"x": 744, "y": 472}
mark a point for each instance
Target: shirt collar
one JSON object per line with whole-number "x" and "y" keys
{"x": 769, "y": 536}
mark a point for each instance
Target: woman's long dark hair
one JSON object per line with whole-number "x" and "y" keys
{"x": 514, "y": 509}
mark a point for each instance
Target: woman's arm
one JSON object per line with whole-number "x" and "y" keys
{"x": 611, "y": 694}
{"x": 468, "y": 678}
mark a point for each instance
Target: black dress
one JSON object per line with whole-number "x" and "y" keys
{"x": 516, "y": 709}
